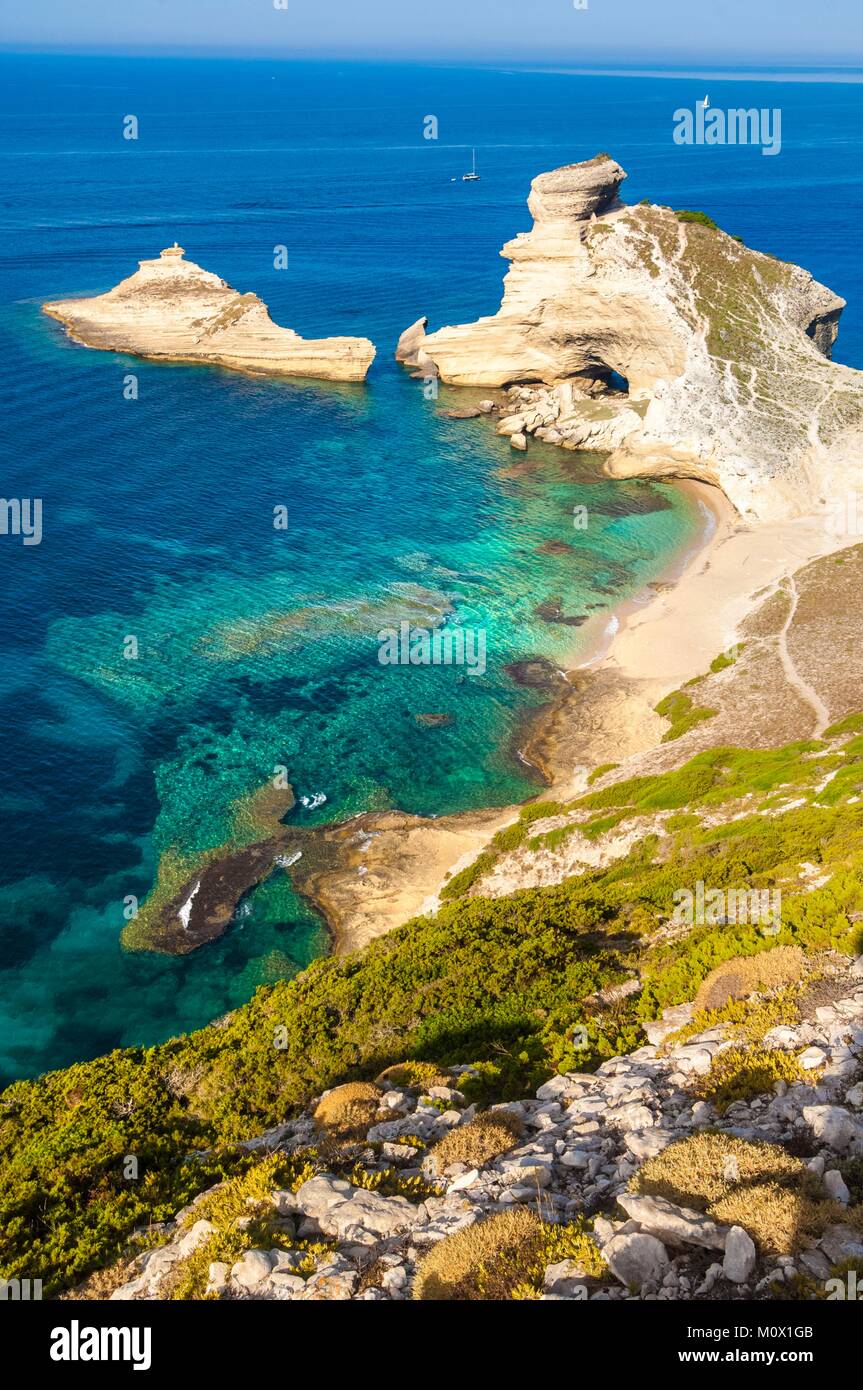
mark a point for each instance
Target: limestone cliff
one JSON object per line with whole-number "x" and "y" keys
{"x": 723, "y": 351}
{"x": 173, "y": 309}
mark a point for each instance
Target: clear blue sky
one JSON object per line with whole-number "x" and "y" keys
{"x": 625, "y": 31}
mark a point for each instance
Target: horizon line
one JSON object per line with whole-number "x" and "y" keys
{"x": 647, "y": 64}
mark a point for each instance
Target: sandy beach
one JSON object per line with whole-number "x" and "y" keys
{"x": 375, "y": 871}
{"x": 682, "y": 628}
{"x": 604, "y": 712}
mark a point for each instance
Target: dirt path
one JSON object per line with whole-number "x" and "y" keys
{"x": 809, "y": 696}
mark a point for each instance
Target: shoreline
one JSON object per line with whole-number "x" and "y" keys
{"x": 719, "y": 517}
{"x": 664, "y": 635}
{"x": 411, "y": 857}
{"x": 715, "y": 592}
{"x": 374, "y": 872}
{"x": 607, "y": 714}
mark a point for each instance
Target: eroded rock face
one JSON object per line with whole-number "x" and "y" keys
{"x": 410, "y": 342}
{"x": 724, "y": 350}
{"x": 173, "y": 309}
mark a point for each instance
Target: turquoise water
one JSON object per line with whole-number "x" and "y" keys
{"x": 258, "y": 648}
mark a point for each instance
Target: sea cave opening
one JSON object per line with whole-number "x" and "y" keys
{"x": 618, "y": 383}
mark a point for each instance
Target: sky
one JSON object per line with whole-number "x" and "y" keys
{"x": 717, "y": 32}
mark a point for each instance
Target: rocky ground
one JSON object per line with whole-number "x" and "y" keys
{"x": 585, "y": 1149}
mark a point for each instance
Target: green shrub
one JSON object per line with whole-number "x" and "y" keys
{"x": 245, "y": 1218}
{"x": 725, "y": 659}
{"x": 747, "y": 1019}
{"x": 462, "y": 882}
{"x": 600, "y": 771}
{"x": 741, "y": 1073}
{"x": 503, "y": 984}
{"x": 700, "y": 219}
{"x": 682, "y": 714}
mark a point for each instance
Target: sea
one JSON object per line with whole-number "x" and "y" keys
{"x": 166, "y": 648}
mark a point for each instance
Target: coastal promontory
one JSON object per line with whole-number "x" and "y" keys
{"x": 652, "y": 335}
{"x": 175, "y": 310}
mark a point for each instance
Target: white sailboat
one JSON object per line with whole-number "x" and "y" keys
{"x": 705, "y": 103}
{"x": 469, "y": 178}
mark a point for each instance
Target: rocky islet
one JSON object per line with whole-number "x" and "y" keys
{"x": 172, "y": 309}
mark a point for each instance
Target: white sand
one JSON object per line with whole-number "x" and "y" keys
{"x": 676, "y": 634}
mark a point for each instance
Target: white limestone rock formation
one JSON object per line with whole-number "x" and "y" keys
{"x": 714, "y": 357}
{"x": 173, "y": 309}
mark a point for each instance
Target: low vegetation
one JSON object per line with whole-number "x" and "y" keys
{"x": 347, "y": 1111}
{"x": 748, "y": 1020}
{"x": 700, "y": 219}
{"x": 600, "y": 771}
{"x": 745, "y": 975}
{"x": 780, "y": 1221}
{"x": 758, "y": 1186}
{"x": 479, "y": 1141}
{"x": 107, "y": 1147}
{"x": 244, "y": 1217}
{"x": 725, "y": 659}
{"x": 420, "y": 1075}
{"x": 501, "y": 1258}
{"x": 712, "y": 779}
{"x": 741, "y": 1073}
{"x": 682, "y": 714}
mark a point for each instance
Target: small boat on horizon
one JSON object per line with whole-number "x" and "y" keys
{"x": 706, "y": 102}
{"x": 469, "y": 178}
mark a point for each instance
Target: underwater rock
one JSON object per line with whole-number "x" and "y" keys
{"x": 551, "y": 611}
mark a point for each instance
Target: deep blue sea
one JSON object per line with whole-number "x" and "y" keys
{"x": 258, "y": 648}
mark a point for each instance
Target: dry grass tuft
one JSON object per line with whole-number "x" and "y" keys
{"x": 485, "y": 1261}
{"x": 504, "y": 1258}
{"x": 745, "y": 975}
{"x": 698, "y": 1171}
{"x": 781, "y": 1221}
{"x": 348, "y": 1111}
{"x": 758, "y": 1186}
{"x": 479, "y": 1141}
{"x": 99, "y": 1285}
